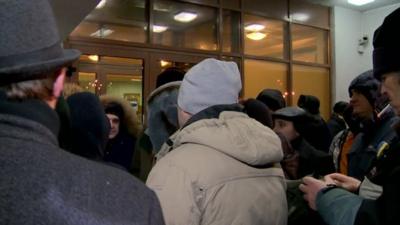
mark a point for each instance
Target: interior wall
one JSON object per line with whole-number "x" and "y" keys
{"x": 347, "y": 30}
{"x": 349, "y": 26}
{"x": 370, "y": 21}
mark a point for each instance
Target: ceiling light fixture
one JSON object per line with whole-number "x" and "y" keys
{"x": 159, "y": 29}
{"x": 94, "y": 58}
{"x": 164, "y": 63}
{"x": 254, "y": 27}
{"x": 256, "y": 36}
{"x": 102, "y": 32}
{"x": 359, "y": 2}
{"x": 303, "y": 17}
{"x": 185, "y": 17}
{"x": 101, "y": 4}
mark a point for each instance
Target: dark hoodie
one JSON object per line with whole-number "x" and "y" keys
{"x": 317, "y": 134}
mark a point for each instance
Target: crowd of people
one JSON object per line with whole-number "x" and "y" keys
{"x": 204, "y": 156}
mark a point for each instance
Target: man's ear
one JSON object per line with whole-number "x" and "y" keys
{"x": 59, "y": 83}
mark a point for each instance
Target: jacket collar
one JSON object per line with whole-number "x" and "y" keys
{"x": 31, "y": 109}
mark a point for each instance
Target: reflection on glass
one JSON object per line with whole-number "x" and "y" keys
{"x": 309, "y": 44}
{"x": 116, "y": 20}
{"x": 310, "y": 14}
{"x": 189, "y": 25}
{"x": 263, "y": 37}
{"x": 185, "y": 66}
{"x": 305, "y": 79}
{"x": 230, "y": 32}
{"x": 127, "y": 86}
{"x": 259, "y": 75}
{"x": 88, "y": 81}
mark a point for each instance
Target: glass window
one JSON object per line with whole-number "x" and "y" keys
{"x": 184, "y": 25}
{"x": 230, "y": 33}
{"x": 88, "y": 81}
{"x": 230, "y": 4}
{"x": 312, "y": 81}
{"x": 116, "y": 20}
{"x": 259, "y": 75}
{"x": 310, "y": 14}
{"x": 309, "y": 44}
{"x": 271, "y": 8}
{"x": 263, "y": 37}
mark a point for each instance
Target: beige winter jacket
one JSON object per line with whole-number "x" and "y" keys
{"x": 222, "y": 171}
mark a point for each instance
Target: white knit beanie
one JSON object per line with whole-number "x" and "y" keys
{"x": 210, "y": 82}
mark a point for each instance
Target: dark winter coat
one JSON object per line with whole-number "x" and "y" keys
{"x": 365, "y": 145}
{"x": 335, "y": 124}
{"x": 43, "y": 184}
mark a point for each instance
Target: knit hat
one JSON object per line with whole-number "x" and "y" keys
{"x": 387, "y": 45}
{"x": 272, "y": 98}
{"x": 29, "y": 41}
{"x": 367, "y": 85}
{"x": 170, "y": 74}
{"x": 259, "y": 111}
{"x": 309, "y": 103}
{"x": 210, "y": 82}
{"x": 115, "y": 109}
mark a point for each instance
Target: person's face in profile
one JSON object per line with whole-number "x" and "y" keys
{"x": 114, "y": 122}
{"x": 286, "y": 128}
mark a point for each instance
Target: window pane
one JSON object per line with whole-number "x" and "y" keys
{"x": 87, "y": 81}
{"x": 310, "y": 14}
{"x": 230, "y": 4}
{"x": 230, "y": 33}
{"x": 116, "y": 20}
{"x": 184, "y": 25}
{"x": 271, "y": 8}
{"x": 259, "y": 75}
{"x": 263, "y": 37}
{"x": 305, "y": 79}
{"x": 309, "y": 44}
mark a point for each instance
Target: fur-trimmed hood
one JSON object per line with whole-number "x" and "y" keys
{"x": 130, "y": 119}
{"x": 162, "y": 116}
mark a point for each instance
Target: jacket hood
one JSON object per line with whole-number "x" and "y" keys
{"x": 130, "y": 119}
{"x": 310, "y": 103}
{"x": 236, "y": 135}
{"x": 162, "y": 116}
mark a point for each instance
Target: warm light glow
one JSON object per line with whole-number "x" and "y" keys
{"x": 303, "y": 17}
{"x": 94, "y": 58}
{"x": 293, "y": 93}
{"x": 102, "y": 32}
{"x": 254, "y": 27}
{"x": 159, "y": 29}
{"x": 359, "y": 2}
{"x": 185, "y": 17}
{"x": 256, "y": 36}
{"x": 101, "y": 4}
{"x": 164, "y": 63}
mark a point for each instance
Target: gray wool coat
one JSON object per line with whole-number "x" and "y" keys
{"x": 43, "y": 184}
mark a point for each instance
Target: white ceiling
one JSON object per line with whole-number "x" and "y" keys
{"x": 345, "y": 4}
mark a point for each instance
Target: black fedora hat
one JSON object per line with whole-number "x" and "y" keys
{"x": 29, "y": 41}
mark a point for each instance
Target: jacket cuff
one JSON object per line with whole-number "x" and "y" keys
{"x": 338, "y": 206}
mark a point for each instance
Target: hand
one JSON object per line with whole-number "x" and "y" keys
{"x": 310, "y": 187}
{"x": 349, "y": 183}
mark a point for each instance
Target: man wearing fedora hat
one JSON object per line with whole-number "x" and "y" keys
{"x": 39, "y": 182}
{"x": 332, "y": 198}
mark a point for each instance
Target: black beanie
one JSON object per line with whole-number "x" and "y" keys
{"x": 259, "y": 111}
{"x": 309, "y": 103}
{"x": 367, "y": 85}
{"x": 170, "y": 74}
{"x": 115, "y": 109}
{"x": 387, "y": 45}
{"x": 272, "y": 98}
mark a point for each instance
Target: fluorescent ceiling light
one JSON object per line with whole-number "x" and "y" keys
{"x": 159, "y": 29}
{"x": 254, "y": 27}
{"x": 94, "y": 58}
{"x": 303, "y": 17}
{"x": 101, "y": 4}
{"x": 359, "y": 2}
{"x": 185, "y": 17}
{"x": 256, "y": 36}
{"x": 102, "y": 32}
